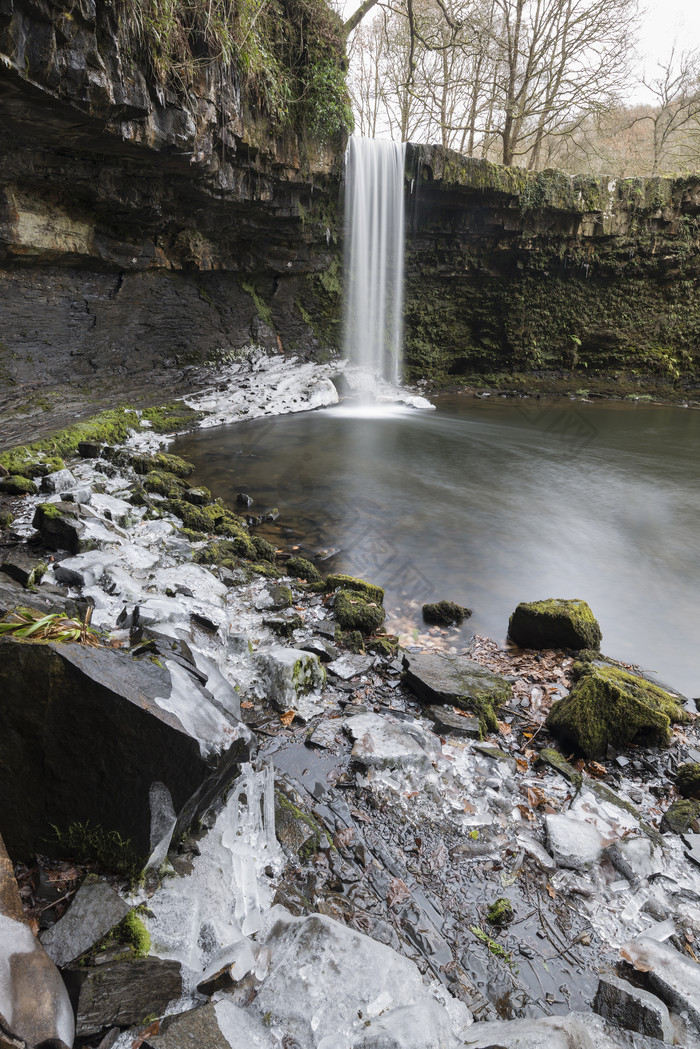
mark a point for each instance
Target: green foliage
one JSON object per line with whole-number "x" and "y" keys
{"x": 287, "y": 55}
{"x": 107, "y": 848}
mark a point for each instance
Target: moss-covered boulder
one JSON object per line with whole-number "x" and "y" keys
{"x": 226, "y": 552}
{"x": 681, "y": 817}
{"x": 354, "y": 611}
{"x": 264, "y": 550}
{"x": 350, "y": 582}
{"x": 555, "y": 623}
{"x": 214, "y": 519}
{"x": 172, "y": 464}
{"x": 610, "y": 707}
{"x": 688, "y": 780}
{"x": 444, "y": 613}
{"x": 15, "y": 484}
{"x": 160, "y": 482}
{"x": 6, "y": 519}
{"x": 300, "y": 568}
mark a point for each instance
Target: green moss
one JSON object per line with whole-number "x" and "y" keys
{"x": 159, "y": 482}
{"x": 265, "y": 551}
{"x": 132, "y": 931}
{"x": 688, "y": 780}
{"x": 554, "y": 623}
{"x": 300, "y": 568}
{"x": 214, "y": 519}
{"x": 298, "y": 830}
{"x": 681, "y": 817}
{"x": 282, "y": 596}
{"x": 445, "y": 613}
{"x": 108, "y": 427}
{"x": 6, "y": 519}
{"x": 261, "y": 307}
{"x": 50, "y": 511}
{"x": 348, "y": 582}
{"x": 385, "y": 645}
{"x": 354, "y": 612}
{"x": 555, "y": 760}
{"x": 265, "y": 569}
{"x": 161, "y": 461}
{"x": 611, "y": 707}
{"x": 500, "y": 912}
{"x": 17, "y": 485}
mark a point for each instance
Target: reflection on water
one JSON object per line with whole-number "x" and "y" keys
{"x": 489, "y": 503}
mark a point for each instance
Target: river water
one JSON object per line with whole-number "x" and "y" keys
{"x": 488, "y": 503}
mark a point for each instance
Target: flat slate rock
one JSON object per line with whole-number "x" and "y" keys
{"x": 575, "y": 1031}
{"x": 120, "y": 994}
{"x": 446, "y": 721}
{"x": 96, "y": 908}
{"x": 217, "y": 1025}
{"x": 670, "y": 975}
{"x": 438, "y": 678}
{"x": 632, "y": 1008}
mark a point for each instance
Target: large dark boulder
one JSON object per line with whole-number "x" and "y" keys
{"x": 556, "y": 623}
{"x": 87, "y": 731}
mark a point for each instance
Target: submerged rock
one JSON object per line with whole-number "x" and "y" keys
{"x": 34, "y": 1004}
{"x": 555, "y": 623}
{"x": 444, "y": 613}
{"x": 457, "y": 681}
{"x": 611, "y": 707}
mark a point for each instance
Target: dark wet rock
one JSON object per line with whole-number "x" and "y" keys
{"x": 284, "y": 627}
{"x": 672, "y": 976}
{"x": 458, "y": 682}
{"x": 34, "y": 1004}
{"x": 682, "y": 816}
{"x": 325, "y": 650}
{"x": 632, "y": 1008}
{"x": 217, "y": 1025}
{"x": 90, "y": 449}
{"x": 95, "y": 909}
{"x": 300, "y": 568}
{"x": 86, "y": 733}
{"x": 61, "y": 527}
{"x": 21, "y": 565}
{"x": 243, "y": 499}
{"x": 121, "y": 993}
{"x": 355, "y": 612}
{"x": 14, "y": 594}
{"x": 554, "y": 760}
{"x": 280, "y": 597}
{"x": 447, "y": 721}
{"x": 197, "y": 496}
{"x": 688, "y": 780}
{"x": 16, "y": 485}
{"x": 445, "y": 613}
{"x": 556, "y": 623}
{"x": 348, "y": 582}
{"x": 610, "y": 707}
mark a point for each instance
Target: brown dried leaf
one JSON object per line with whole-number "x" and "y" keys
{"x": 438, "y": 858}
{"x": 288, "y": 717}
{"x": 343, "y": 837}
{"x": 551, "y": 892}
{"x": 398, "y": 892}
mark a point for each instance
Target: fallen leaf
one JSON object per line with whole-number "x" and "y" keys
{"x": 246, "y": 706}
{"x": 438, "y": 858}
{"x": 551, "y": 892}
{"x": 398, "y": 892}
{"x": 145, "y": 1033}
{"x": 288, "y": 717}
{"x": 343, "y": 837}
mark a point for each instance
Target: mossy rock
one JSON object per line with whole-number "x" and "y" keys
{"x": 20, "y": 461}
{"x": 15, "y": 484}
{"x": 265, "y": 551}
{"x": 6, "y": 519}
{"x": 444, "y": 613}
{"x": 681, "y": 817}
{"x": 213, "y": 520}
{"x": 171, "y": 464}
{"x": 555, "y": 623}
{"x": 282, "y": 597}
{"x": 159, "y": 482}
{"x": 611, "y": 707}
{"x": 354, "y": 612}
{"x": 300, "y": 568}
{"x": 226, "y": 552}
{"x": 349, "y": 582}
{"x": 500, "y": 912}
{"x": 385, "y": 645}
{"x": 688, "y": 780}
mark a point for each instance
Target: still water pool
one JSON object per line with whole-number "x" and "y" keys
{"x": 488, "y": 503}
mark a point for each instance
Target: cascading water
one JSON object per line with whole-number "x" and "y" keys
{"x": 374, "y": 248}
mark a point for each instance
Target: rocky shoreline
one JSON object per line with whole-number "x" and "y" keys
{"x": 344, "y": 844}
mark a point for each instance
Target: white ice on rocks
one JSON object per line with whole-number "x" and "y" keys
{"x": 199, "y": 717}
{"x": 291, "y": 677}
{"x": 675, "y": 978}
{"x": 196, "y": 579}
{"x": 330, "y": 987}
{"x": 84, "y": 569}
{"x": 573, "y": 843}
{"x": 16, "y": 938}
{"x": 203, "y": 920}
{"x": 384, "y": 743}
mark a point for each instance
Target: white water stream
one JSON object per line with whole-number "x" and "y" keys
{"x": 374, "y": 249}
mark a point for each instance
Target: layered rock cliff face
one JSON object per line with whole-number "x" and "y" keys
{"x": 141, "y": 229}
{"x": 515, "y": 274}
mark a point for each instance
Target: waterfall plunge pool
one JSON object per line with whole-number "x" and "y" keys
{"x": 488, "y": 503}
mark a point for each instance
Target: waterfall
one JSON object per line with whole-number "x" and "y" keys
{"x": 374, "y": 247}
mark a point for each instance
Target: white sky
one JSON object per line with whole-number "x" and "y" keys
{"x": 664, "y": 21}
